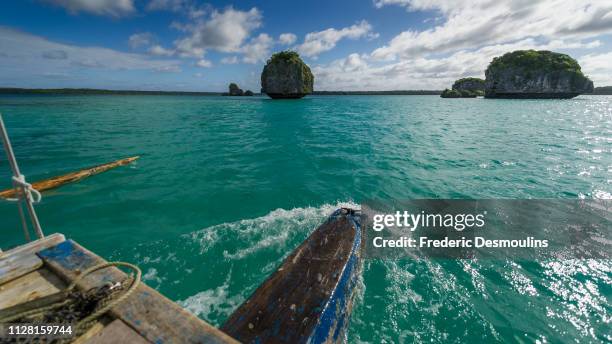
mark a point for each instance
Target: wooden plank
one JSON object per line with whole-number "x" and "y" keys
{"x": 58, "y": 181}
{"x": 309, "y": 297}
{"x": 34, "y": 246}
{"x": 152, "y": 315}
{"x": 117, "y": 332}
{"x": 22, "y": 260}
{"x": 17, "y": 266}
{"x": 93, "y": 330}
{"x": 29, "y": 287}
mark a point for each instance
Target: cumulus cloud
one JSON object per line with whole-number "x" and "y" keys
{"x": 204, "y": 63}
{"x": 258, "y": 49}
{"x": 317, "y": 42}
{"x": 158, "y": 50}
{"x": 113, "y": 8}
{"x": 230, "y": 60}
{"x": 359, "y": 72}
{"x": 598, "y": 68}
{"x": 287, "y": 38}
{"x": 224, "y": 31}
{"x": 138, "y": 40}
{"x": 33, "y": 56}
{"x": 482, "y": 22}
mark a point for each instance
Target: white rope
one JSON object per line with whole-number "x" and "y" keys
{"x": 20, "y": 182}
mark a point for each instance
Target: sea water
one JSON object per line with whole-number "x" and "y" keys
{"x": 225, "y": 188}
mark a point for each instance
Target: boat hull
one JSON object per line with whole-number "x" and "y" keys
{"x": 309, "y": 298}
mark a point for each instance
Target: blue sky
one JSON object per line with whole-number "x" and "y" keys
{"x": 350, "y": 45}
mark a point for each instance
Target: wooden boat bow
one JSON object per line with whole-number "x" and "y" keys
{"x": 310, "y": 296}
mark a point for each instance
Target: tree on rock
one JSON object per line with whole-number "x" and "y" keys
{"x": 285, "y": 75}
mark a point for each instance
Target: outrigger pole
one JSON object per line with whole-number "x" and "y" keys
{"x": 25, "y": 190}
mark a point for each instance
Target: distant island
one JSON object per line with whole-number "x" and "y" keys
{"x": 526, "y": 74}
{"x": 604, "y": 90}
{"x": 535, "y": 74}
{"x": 94, "y": 91}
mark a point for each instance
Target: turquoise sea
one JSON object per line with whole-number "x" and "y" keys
{"x": 227, "y": 187}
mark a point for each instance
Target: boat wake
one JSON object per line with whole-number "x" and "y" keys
{"x": 211, "y": 271}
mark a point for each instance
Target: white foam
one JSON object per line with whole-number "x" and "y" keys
{"x": 207, "y": 302}
{"x": 268, "y": 231}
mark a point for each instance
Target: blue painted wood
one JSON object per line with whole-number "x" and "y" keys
{"x": 150, "y": 314}
{"x": 334, "y": 319}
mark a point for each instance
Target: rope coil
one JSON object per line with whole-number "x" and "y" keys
{"x": 70, "y": 296}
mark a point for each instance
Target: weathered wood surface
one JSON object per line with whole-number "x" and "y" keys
{"x": 35, "y": 246}
{"x": 17, "y": 266}
{"x": 117, "y": 332}
{"x": 29, "y": 287}
{"x": 309, "y": 297}
{"x": 154, "y": 317}
{"x": 58, "y": 181}
{"x": 22, "y": 260}
{"x": 93, "y": 330}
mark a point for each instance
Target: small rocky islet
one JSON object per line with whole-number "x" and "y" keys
{"x": 465, "y": 88}
{"x": 236, "y": 91}
{"x": 526, "y": 74}
{"x": 286, "y": 76}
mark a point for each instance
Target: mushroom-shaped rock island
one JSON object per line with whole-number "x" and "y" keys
{"x": 285, "y": 75}
{"x": 535, "y": 74}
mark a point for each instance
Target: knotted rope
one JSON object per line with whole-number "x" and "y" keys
{"x": 20, "y": 184}
{"x": 71, "y": 298}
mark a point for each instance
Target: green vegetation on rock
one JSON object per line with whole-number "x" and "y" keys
{"x": 535, "y": 60}
{"x": 470, "y": 84}
{"x": 285, "y": 75}
{"x": 535, "y": 74}
{"x": 452, "y": 94}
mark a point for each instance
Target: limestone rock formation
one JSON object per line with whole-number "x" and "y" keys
{"x": 285, "y": 75}
{"x": 535, "y": 74}
{"x": 475, "y": 85}
{"x": 234, "y": 90}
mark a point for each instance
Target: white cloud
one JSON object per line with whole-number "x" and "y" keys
{"x": 381, "y": 3}
{"x": 204, "y": 63}
{"x": 138, "y": 40}
{"x": 30, "y": 56}
{"x": 171, "y": 5}
{"x": 158, "y": 50}
{"x": 360, "y": 72}
{"x": 258, "y": 49}
{"x": 478, "y": 23}
{"x": 223, "y": 31}
{"x": 113, "y": 8}
{"x": 287, "y": 38}
{"x": 321, "y": 41}
{"x": 230, "y": 60}
{"x": 169, "y": 69}
{"x": 598, "y": 68}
